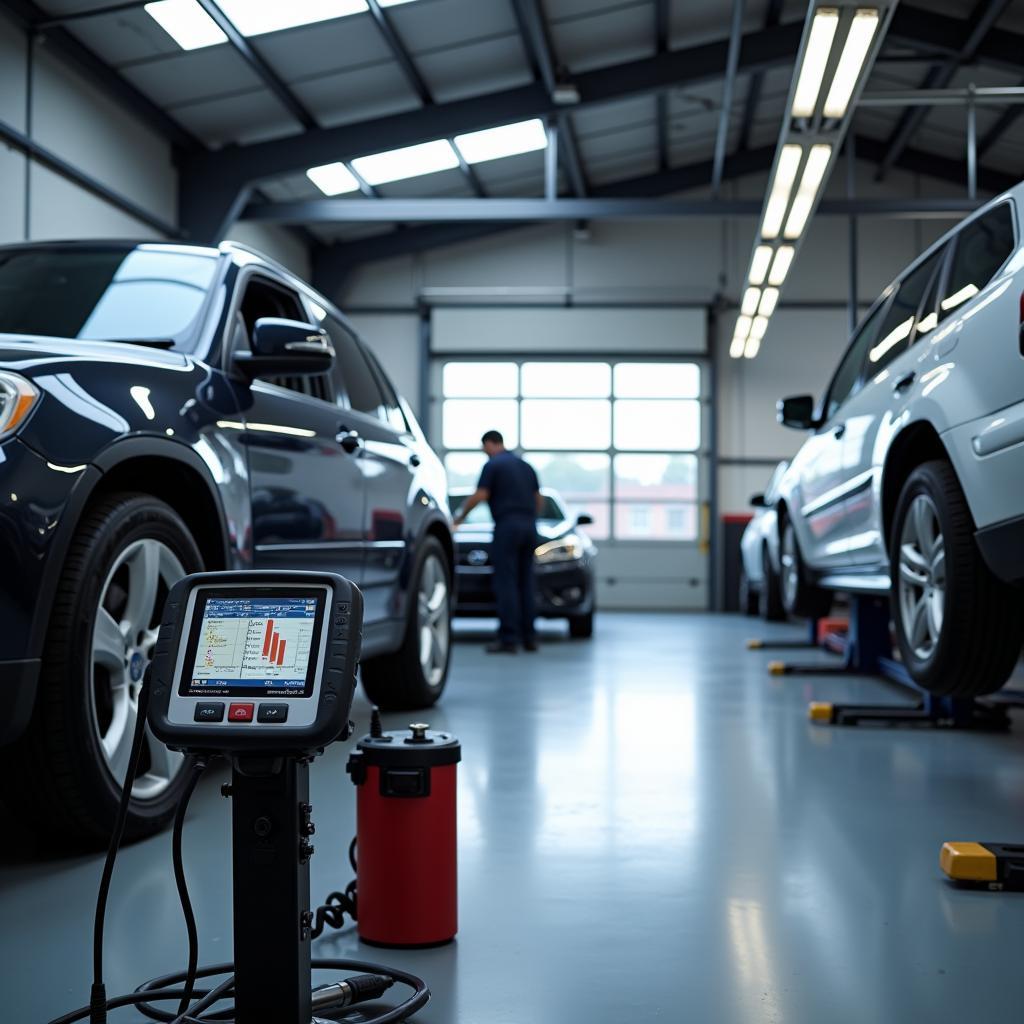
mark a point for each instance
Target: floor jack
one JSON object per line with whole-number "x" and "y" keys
{"x": 867, "y": 650}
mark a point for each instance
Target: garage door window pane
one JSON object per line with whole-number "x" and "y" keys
{"x": 567, "y": 380}
{"x": 655, "y": 521}
{"x": 480, "y": 380}
{"x": 657, "y": 380}
{"x": 463, "y": 469}
{"x": 466, "y": 419}
{"x": 661, "y": 423}
{"x": 583, "y": 482}
{"x": 650, "y": 478}
{"x": 566, "y": 423}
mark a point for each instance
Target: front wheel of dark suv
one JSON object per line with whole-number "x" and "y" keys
{"x": 414, "y": 676}
{"x": 69, "y": 768}
{"x": 958, "y": 626}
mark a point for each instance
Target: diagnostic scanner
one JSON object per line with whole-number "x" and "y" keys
{"x": 256, "y": 662}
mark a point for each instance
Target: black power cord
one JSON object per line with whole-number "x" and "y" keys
{"x": 180, "y": 986}
{"x": 338, "y": 904}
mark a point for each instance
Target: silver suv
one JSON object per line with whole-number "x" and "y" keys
{"x": 912, "y": 479}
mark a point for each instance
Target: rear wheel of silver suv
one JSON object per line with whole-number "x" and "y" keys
{"x": 958, "y": 626}
{"x": 800, "y": 597}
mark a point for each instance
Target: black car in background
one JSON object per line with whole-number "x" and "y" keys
{"x": 166, "y": 409}
{"x": 563, "y": 568}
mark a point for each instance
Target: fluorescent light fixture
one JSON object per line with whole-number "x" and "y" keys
{"x": 759, "y": 264}
{"x": 928, "y": 323}
{"x": 752, "y": 347}
{"x": 952, "y": 301}
{"x": 780, "y": 265}
{"x": 186, "y": 23}
{"x": 742, "y": 325}
{"x": 768, "y": 301}
{"x": 814, "y": 172}
{"x": 778, "y": 198}
{"x": 255, "y": 17}
{"x": 507, "y": 140}
{"x": 751, "y": 297}
{"x": 736, "y": 346}
{"x": 758, "y": 327}
{"x": 410, "y": 162}
{"x": 333, "y": 179}
{"x": 894, "y": 337}
{"x": 819, "y": 45}
{"x": 855, "y": 51}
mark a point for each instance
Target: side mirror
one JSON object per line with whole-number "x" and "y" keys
{"x": 283, "y": 348}
{"x": 757, "y": 501}
{"x": 584, "y": 519}
{"x": 796, "y": 412}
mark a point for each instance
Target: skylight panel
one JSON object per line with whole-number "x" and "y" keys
{"x": 333, "y": 179}
{"x": 255, "y": 17}
{"x": 409, "y": 162}
{"x": 186, "y": 23}
{"x": 506, "y": 140}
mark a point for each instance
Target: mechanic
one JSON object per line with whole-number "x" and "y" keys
{"x": 511, "y": 489}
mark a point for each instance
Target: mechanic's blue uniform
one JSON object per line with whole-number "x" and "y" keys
{"x": 512, "y": 485}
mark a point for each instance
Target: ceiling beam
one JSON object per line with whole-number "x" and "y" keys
{"x": 27, "y": 15}
{"x": 772, "y": 18}
{"x": 266, "y": 74}
{"x": 536, "y": 37}
{"x": 232, "y": 168}
{"x": 662, "y": 29}
{"x": 1006, "y": 120}
{"x": 725, "y": 113}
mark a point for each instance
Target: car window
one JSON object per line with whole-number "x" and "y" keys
{"x": 980, "y": 250}
{"x": 847, "y": 378}
{"x": 353, "y": 373}
{"x": 927, "y": 315}
{"x": 895, "y": 330}
{"x": 392, "y": 406}
{"x": 263, "y": 297}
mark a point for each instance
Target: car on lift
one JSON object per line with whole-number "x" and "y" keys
{"x": 910, "y": 481}
{"x": 759, "y": 591}
{"x": 564, "y": 567}
{"x": 166, "y": 409}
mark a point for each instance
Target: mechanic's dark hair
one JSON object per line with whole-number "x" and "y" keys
{"x": 493, "y": 437}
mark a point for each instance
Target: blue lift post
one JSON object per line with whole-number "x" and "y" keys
{"x": 868, "y": 651}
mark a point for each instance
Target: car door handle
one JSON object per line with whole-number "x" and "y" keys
{"x": 414, "y": 460}
{"x": 348, "y": 439}
{"x": 904, "y": 382}
{"x": 839, "y": 430}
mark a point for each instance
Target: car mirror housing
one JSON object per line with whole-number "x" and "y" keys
{"x": 584, "y": 519}
{"x": 797, "y": 412}
{"x": 285, "y": 348}
{"x": 757, "y": 501}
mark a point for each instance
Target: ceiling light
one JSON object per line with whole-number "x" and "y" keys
{"x": 758, "y": 327}
{"x": 819, "y": 45}
{"x": 186, "y": 23}
{"x": 254, "y": 17}
{"x": 333, "y": 179}
{"x": 751, "y": 297}
{"x": 814, "y": 172}
{"x": 506, "y": 140}
{"x": 967, "y": 292}
{"x": 566, "y": 94}
{"x": 855, "y": 51}
{"x": 742, "y": 326}
{"x": 768, "y": 301}
{"x": 780, "y": 265}
{"x": 410, "y": 162}
{"x": 778, "y": 199}
{"x": 759, "y": 264}
{"x": 752, "y": 347}
{"x": 736, "y": 346}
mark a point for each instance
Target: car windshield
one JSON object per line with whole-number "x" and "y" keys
{"x": 551, "y": 511}
{"x": 144, "y": 293}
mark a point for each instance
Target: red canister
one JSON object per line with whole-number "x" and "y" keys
{"x": 406, "y": 873}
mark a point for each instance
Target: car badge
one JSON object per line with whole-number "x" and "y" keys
{"x": 477, "y": 557}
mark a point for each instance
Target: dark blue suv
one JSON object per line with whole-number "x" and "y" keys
{"x": 166, "y": 409}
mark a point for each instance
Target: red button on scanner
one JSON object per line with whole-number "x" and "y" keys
{"x": 240, "y": 712}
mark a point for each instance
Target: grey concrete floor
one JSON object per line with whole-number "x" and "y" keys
{"x": 650, "y": 829}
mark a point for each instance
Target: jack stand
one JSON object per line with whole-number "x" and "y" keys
{"x": 272, "y": 917}
{"x": 993, "y": 866}
{"x": 756, "y": 644}
{"x": 867, "y": 643}
{"x": 937, "y": 712}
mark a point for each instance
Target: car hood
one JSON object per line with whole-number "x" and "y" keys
{"x": 24, "y": 353}
{"x": 478, "y": 534}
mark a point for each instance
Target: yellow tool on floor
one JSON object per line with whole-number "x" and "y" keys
{"x": 995, "y": 866}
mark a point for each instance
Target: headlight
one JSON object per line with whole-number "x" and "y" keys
{"x": 18, "y": 397}
{"x": 565, "y": 549}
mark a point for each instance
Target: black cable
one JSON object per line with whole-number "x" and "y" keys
{"x": 98, "y": 994}
{"x": 198, "y": 767}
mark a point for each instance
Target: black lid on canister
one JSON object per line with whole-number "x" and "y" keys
{"x": 418, "y": 746}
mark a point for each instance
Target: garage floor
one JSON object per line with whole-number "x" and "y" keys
{"x": 650, "y": 829}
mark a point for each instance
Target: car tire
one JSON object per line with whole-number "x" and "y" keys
{"x": 770, "y": 597}
{"x": 581, "y": 627}
{"x": 749, "y": 598}
{"x": 958, "y": 626}
{"x": 799, "y": 596}
{"x": 414, "y": 676}
{"x": 68, "y": 769}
